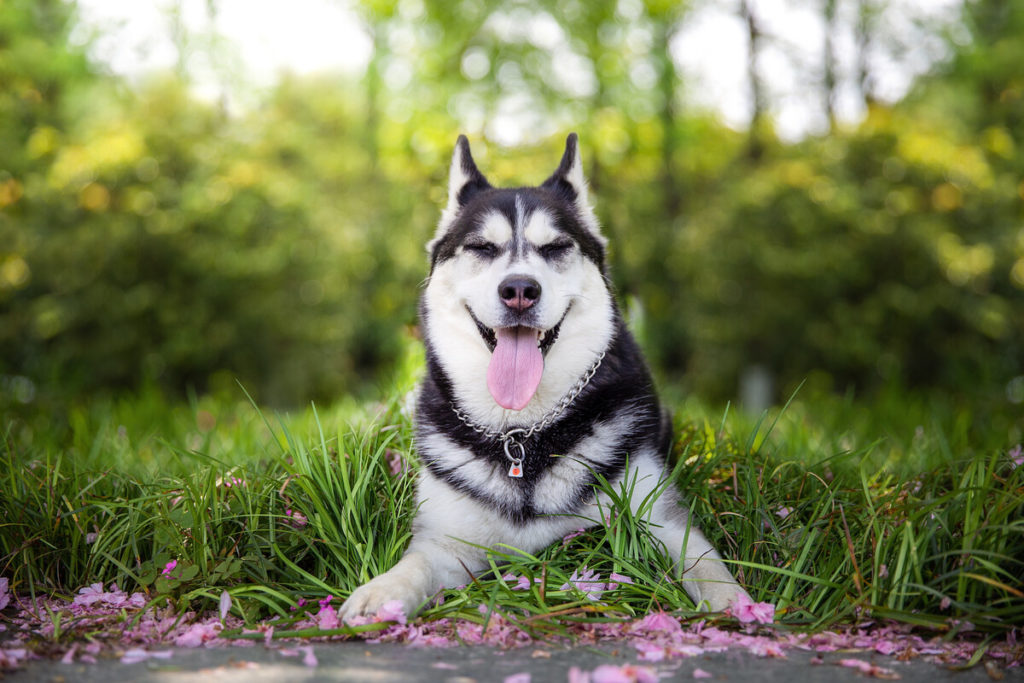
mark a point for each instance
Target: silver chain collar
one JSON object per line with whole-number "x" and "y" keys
{"x": 512, "y": 439}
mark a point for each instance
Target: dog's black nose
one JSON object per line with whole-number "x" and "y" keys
{"x": 519, "y": 292}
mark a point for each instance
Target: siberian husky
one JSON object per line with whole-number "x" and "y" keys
{"x": 533, "y": 388}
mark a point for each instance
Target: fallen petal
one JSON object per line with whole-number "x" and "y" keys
{"x": 225, "y": 604}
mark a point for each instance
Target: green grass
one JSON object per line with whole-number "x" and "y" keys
{"x": 901, "y": 509}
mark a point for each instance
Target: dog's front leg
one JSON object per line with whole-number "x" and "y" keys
{"x": 704, "y": 576}
{"x": 450, "y": 537}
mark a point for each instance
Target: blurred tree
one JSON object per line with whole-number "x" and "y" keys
{"x": 864, "y": 38}
{"x": 758, "y": 98}
{"x": 986, "y": 67}
{"x": 41, "y": 76}
{"x": 39, "y": 73}
{"x": 148, "y": 236}
{"x": 831, "y": 22}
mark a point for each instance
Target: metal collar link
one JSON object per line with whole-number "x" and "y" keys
{"x": 512, "y": 439}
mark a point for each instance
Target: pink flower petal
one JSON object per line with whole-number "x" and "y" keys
{"x": 198, "y": 634}
{"x": 766, "y": 648}
{"x": 628, "y": 673}
{"x": 568, "y": 537}
{"x": 649, "y": 652}
{"x": 89, "y": 595}
{"x": 69, "y": 656}
{"x": 747, "y": 611}
{"x": 659, "y": 622}
{"x": 225, "y": 604}
{"x": 327, "y": 618}
{"x": 296, "y": 519}
{"x": 869, "y": 669}
{"x": 396, "y": 463}
{"x": 11, "y": 658}
{"x": 588, "y": 582}
{"x": 576, "y": 675}
{"x": 717, "y": 638}
{"x": 358, "y": 620}
{"x": 392, "y": 610}
{"x": 701, "y": 673}
{"x": 609, "y": 673}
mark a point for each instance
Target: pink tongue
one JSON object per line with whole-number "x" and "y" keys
{"x": 515, "y": 368}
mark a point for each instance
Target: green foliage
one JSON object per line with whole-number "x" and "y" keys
{"x": 185, "y": 256}
{"x": 829, "y": 525}
{"x": 149, "y": 239}
{"x": 883, "y": 255}
{"x": 154, "y": 242}
{"x": 281, "y": 515}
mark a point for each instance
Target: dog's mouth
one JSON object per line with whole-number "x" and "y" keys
{"x": 544, "y": 338}
{"x": 517, "y": 360}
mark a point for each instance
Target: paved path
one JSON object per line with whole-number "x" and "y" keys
{"x": 389, "y": 663}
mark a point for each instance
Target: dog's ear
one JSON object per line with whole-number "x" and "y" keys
{"x": 568, "y": 183}
{"x": 464, "y": 181}
{"x": 464, "y": 178}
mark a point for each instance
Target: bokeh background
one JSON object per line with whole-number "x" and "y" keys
{"x": 843, "y": 209}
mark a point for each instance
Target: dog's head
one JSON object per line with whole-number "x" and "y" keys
{"x": 517, "y": 306}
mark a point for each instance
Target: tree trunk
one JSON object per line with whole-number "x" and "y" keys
{"x": 671, "y": 192}
{"x": 829, "y": 78}
{"x": 755, "y": 146}
{"x": 865, "y": 26}
{"x": 372, "y": 82}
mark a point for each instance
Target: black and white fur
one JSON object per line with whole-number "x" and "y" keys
{"x": 615, "y": 427}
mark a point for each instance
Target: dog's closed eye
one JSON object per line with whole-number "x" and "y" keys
{"x": 555, "y": 249}
{"x": 486, "y": 249}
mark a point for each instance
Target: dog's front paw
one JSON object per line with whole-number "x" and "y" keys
{"x": 368, "y": 599}
{"x": 405, "y": 583}
{"x": 717, "y": 597}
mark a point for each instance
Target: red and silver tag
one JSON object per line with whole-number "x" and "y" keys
{"x": 516, "y": 469}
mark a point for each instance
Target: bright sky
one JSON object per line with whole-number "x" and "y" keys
{"x": 265, "y": 37}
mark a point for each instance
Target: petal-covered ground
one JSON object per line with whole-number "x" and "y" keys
{"x": 108, "y": 622}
